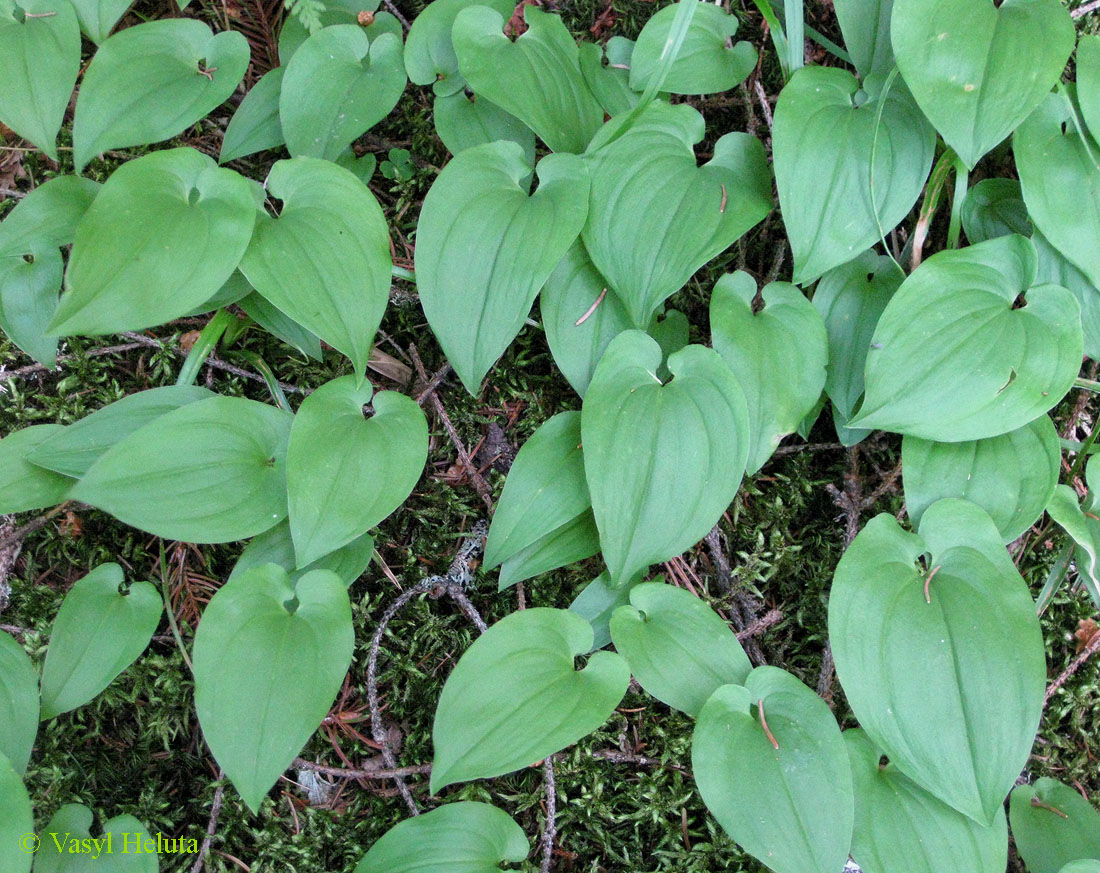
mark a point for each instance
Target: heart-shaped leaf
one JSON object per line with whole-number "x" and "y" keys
{"x": 865, "y": 25}
{"x": 978, "y": 69}
{"x": 49, "y": 214}
{"x": 209, "y": 472}
{"x": 325, "y": 261}
{"x": 345, "y": 472}
{"x": 596, "y": 604}
{"x": 98, "y": 17}
{"x": 786, "y": 336}
{"x": 430, "y": 57}
{"x": 173, "y": 72}
{"x": 72, "y": 450}
{"x": 1053, "y": 825}
{"x": 67, "y": 846}
{"x": 275, "y": 546}
{"x": 517, "y": 76}
{"x": 29, "y": 286}
{"x": 776, "y": 735}
{"x": 39, "y": 63}
{"x": 962, "y": 725}
{"x": 255, "y": 125}
{"x": 269, "y": 660}
{"x": 1011, "y": 477}
{"x": 479, "y": 262}
{"x": 294, "y": 33}
{"x": 610, "y": 83}
{"x": 1081, "y": 524}
{"x": 708, "y": 60}
{"x": 18, "y": 706}
{"x": 464, "y": 837}
{"x": 655, "y": 217}
{"x": 1082, "y": 866}
{"x": 993, "y": 208}
{"x": 98, "y": 633}
{"x": 337, "y": 86}
{"x": 161, "y": 238}
{"x": 692, "y": 434}
{"x": 678, "y": 648}
{"x": 17, "y": 821}
{"x": 492, "y": 714}
{"x": 993, "y": 368}
{"x": 901, "y": 828}
{"x": 1088, "y": 81}
{"x": 848, "y": 166}
{"x": 1055, "y": 269}
{"x": 23, "y": 485}
{"x": 464, "y": 121}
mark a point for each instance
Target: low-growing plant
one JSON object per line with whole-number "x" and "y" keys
{"x": 574, "y": 180}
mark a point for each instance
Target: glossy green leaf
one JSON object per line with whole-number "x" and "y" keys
{"x": 786, "y": 337}
{"x": 39, "y": 62}
{"x": 430, "y": 57}
{"x": 269, "y": 660}
{"x": 963, "y": 724}
{"x": 953, "y": 359}
{"x": 1053, "y": 825}
{"x": 573, "y": 541}
{"x": 72, "y": 450}
{"x": 30, "y": 283}
{"x": 347, "y": 472}
{"x": 610, "y": 82}
{"x": 18, "y": 706}
{"x": 255, "y": 125}
{"x": 332, "y": 239}
{"x": 1055, "y": 269}
{"x": 798, "y": 816}
{"x": 537, "y": 78}
{"x": 978, "y": 69}
{"x": 99, "y": 17}
{"x": 518, "y": 671}
{"x": 132, "y": 849}
{"x": 1082, "y": 866}
{"x": 1060, "y": 178}
{"x": 1083, "y": 529}
{"x": 98, "y": 633}
{"x": 49, "y": 214}
{"x": 464, "y": 121}
{"x": 901, "y": 828}
{"x": 708, "y": 61}
{"x": 274, "y": 321}
{"x": 678, "y": 648}
{"x": 865, "y": 25}
{"x": 210, "y": 472}
{"x": 464, "y": 837}
{"x": 485, "y": 248}
{"x": 655, "y": 217}
{"x": 848, "y": 165}
{"x": 1088, "y": 81}
{"x": 1011, "y": 477}
{"x": 23, "y": 485}
{"x": 663, "y": 462}
{"x": 597, "y": 602}
{"x": 993, "y": 208}
{"x": 275, "y": 546}
{"x": 337, "y": 86}
{"x": 293, "y": 33}
{"x": 173, "y": 73}
{"x": 17, "y": 820}
{"x": 162, "y": 237}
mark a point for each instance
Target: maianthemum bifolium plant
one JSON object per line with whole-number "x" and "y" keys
{"x": 574, "y": 180}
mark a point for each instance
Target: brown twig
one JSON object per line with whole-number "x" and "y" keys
{"x": 551, "y": 832}
{"x": 21, "y": 533}
{"x": 32, "y": 369}
{"x": 376, "y": 773}
{"x": 1091, "y": 649}
{"x": 773, "y": 616}
{"x": 1081, "y": 11}
{"x": 212, "y": 826}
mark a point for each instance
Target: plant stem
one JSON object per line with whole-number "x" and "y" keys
{"x": 201, "y": 350}
{"x": 962, "y": 180}
{"x": 779, "y": 39}
{"x": 402, "y": 273}
{"x": 796, "y": 36}
{"x": 168, "y": 609}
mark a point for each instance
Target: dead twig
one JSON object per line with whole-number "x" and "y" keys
{"x": 211, "y": 828}
{"x": 1091, "y": 649}
{"x": 772, "y": 617}
{"x": 551, "y": 832}
{"x": 375, "y": 773}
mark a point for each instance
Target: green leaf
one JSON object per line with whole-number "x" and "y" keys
{"x": 49, "y": 214}
{"x": 786, "y": 336}
{"x": 663, "y": 462}
{"x": 518, "y": 671}
{"x": 1088, "y": 81}
{"x": 798, "y": 816}
{"x": 255, "y": 125}
{"x": 655, "y": 217}
{"x": 233, "y": 290}
{"x": 330, "y": 237}
{"x": 161, "y": 238}
{"x": 1061, "y": 182}
{"x": 275, "y": 546}
{"x": 337, "y": 86}
{"x": 39, "y": 63}
{"x": 464, "y": 121}
{"x": 1056, "y": 270}
{"x": 1011, "y": 477}
{"x": 16, "y": 822}
{"x": 1081, "y": 527}
{"x": 18, "y": 708}
{"x": 347, "y": 472}
{"x": 834, "y": 145}
{"x": 464, "y": 837}
{"x": 210, "y": 472}
{"x": 901, "y": 828}
{"x": 29, "y": 287}
{"x": 269, "y": 660}
{"x": 610, "y": 83}
{"x": 333, "y": 12}
{"x": 952, "y": 359}
{"x": 271, "y": 319}
{"x": 1053, "y": 826}
{"x": 963, "y": 724}
{"x": 993, "y": 208}
{"x": 23, "y": 485}
{"x": 976, "y": 69}
{"x": 132, "y": 849}
{"x": 678, "y": 648}
{"x": 1083, "y": 866}
{"x": 596, "y": 604}
{"x": 573, "y": 541}
{"x": 99, "y": 17}
{"x": 485, "y": 248}
{"x": 72, "y": 450}
{"x": 430, "y": 57}
{"x": 708, "y": 60}
{"x": 173, "y": 73}
{"x": 537, "y": 78}
{"x": 98, "y": 633}
{"x": 865, "y": 25}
